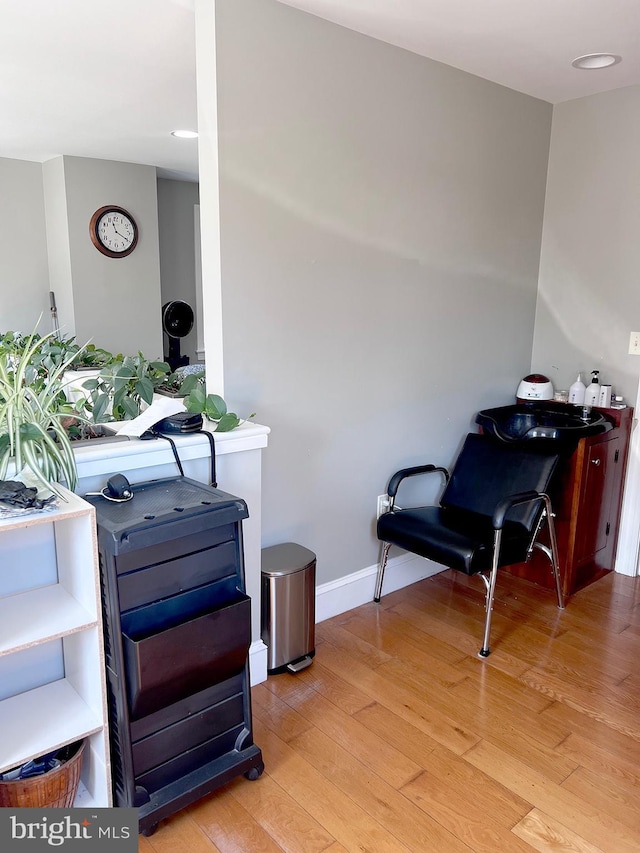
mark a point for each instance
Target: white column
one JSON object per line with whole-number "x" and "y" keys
{"x": 209, "y": 192}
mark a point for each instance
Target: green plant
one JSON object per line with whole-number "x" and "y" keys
{"x": 180, "y": 383}
{"x": 213, "y": 408}
{"x": 122, "y": 387}
{"x": 33, "y": 408}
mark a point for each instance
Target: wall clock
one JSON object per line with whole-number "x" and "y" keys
{"x": 113, "y": 231}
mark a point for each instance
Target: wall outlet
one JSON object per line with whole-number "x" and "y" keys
{"x": 383, "y": 505}
{"x": 634, "y": 343}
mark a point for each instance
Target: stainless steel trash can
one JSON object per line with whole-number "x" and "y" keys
{"x": 288, "y": 606}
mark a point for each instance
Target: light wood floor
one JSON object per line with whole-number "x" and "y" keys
{"x": 398, "y": 738}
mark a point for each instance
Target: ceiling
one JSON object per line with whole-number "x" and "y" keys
{"x": 112, "y": 80}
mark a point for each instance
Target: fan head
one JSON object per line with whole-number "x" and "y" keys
{"x": 177, "y": 318}
{"x": 177, "y": 321}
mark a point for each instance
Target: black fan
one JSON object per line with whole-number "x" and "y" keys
{"x": 177, "y": 321}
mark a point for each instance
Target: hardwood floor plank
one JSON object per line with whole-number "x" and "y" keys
{"x": 460, "y": 636}
{"x": 339, "y": 815}
{"x": 624, "y": 770}
{"x": 287, "y": 823}
{"x": 549, "y": 836}
{"x": 343, "y": 695}
{"x": 560, "y": 804}
{"x": 399, "y": 733}
{"x": 482, "y": 683}
{"x": 401, "y": 701}
{"x": 366, "y": 652}
{"x": 369, "y": 748}
{"x": 230, "y": 826}
{"x": 412, "y": 827}
{"x": 388, "y": 631}
{"x": 590, "y": 699}
{"x": 475, "y": 822}
{"x": 455, "y": 771}
{"x": 593, "y": 729}
{"x": 277, "y": 714}
{"x": 616, "y": 800}
{"x": 178, "y": 834}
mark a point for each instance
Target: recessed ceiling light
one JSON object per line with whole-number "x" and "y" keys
{"x": 596, "y": 60}
{"x": 185, "y": 134}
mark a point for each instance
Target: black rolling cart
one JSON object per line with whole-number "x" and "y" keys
{"x": 177, "y": 626}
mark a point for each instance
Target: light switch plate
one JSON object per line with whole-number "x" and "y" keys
{"x": 634, "y": 343}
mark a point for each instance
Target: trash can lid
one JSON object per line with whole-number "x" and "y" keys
{"x": 285, "y": 559}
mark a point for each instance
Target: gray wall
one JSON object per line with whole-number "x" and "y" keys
{"x": 589, "y": 298}
{"x": 24, "y": 271}
{"x": 176, "y": 201}
{"x": 116, "y": 300}
{"x": 381, "y": 217}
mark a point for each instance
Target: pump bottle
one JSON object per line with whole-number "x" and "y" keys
{"x": 577, "y": 391}
{"x": 592, "y": 394}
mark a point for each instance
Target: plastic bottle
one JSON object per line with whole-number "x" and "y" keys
{"x": 592, "y": 394}
{"x": 604, "y": 400}
{"x": 577, "y": 391}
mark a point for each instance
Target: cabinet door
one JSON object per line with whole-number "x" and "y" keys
{"x": 596, "y": 499}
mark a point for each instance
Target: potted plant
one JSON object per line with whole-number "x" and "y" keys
{"x": 122, "y": 387}
{"x": 182, "y": 381}
{"x": 33, "y": 410}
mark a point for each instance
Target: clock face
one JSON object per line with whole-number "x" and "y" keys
{"x": 113, "y": 231}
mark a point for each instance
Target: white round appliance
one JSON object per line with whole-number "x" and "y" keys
{"x": 534, "y": 387}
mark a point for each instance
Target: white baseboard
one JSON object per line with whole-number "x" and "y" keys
{"x": 355, "y": 589}
{"x": 257, "y": 662}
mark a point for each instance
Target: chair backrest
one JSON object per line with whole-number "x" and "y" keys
{"x": 486, "y": 471}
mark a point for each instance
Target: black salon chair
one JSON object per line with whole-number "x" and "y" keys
{"x": 494, "y": 505}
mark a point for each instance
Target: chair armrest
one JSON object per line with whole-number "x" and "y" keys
{"x": 403, "y": 473}
{"x": 513, "y": 500}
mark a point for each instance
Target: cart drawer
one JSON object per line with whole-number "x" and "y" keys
{"x": 163, "y": 666}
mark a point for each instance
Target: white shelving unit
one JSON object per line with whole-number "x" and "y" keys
{"x": 52, "y": 669}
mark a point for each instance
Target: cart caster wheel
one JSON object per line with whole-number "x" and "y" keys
{"x": 149, "y": 830}
{"x": 255, "y": 772}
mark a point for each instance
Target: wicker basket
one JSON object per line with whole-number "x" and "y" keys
{"x": 55, "y": 789}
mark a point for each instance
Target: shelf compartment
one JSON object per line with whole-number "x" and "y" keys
{"x": 41, "y": 720}
{"x": 40, "y": 615}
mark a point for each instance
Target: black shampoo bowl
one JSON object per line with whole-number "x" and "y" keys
{"x": 537, "y": 420}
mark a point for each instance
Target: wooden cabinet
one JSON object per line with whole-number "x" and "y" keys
{"x": 52, "y": 677}
{"x": 587, "y": 504}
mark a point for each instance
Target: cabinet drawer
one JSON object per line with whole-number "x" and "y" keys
{"x": 177, "y": 575}
{"x": 178, "y": 767}
{"x": 163, "y": 664}
{"x": 187, "y": 734}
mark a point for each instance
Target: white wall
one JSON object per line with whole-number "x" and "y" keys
{"x": 589, "y": 298}
{"x": 24, "y": 272}
{"x": 381, "y": 217}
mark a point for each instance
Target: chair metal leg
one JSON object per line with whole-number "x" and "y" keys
{"x": 490, "y": 584}
{"x": 384, "y": 554}
{"x": 552, "y": 552}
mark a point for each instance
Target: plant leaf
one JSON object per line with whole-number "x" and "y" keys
{"x": 144, "y": 387}
{"x": 195, "y": 402}
{"x": 215, "y": 407}
{"x": 130, "y": 408}
{"x": 228, "y": 422}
